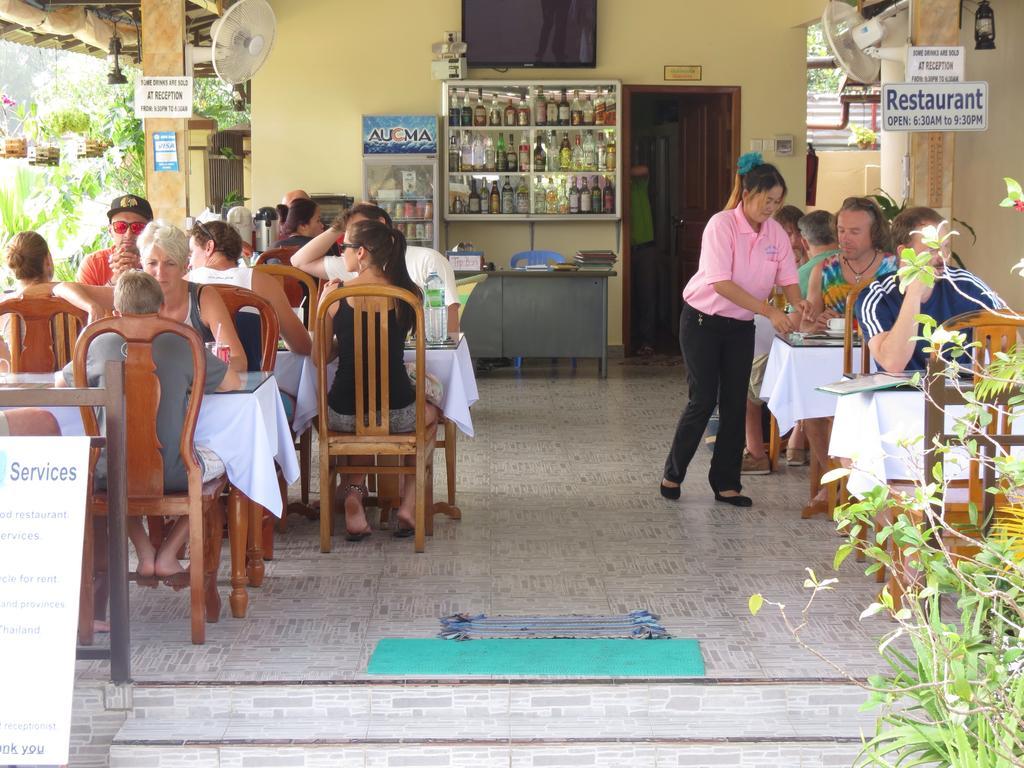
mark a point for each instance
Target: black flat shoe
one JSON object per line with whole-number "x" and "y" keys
{"x": 736, "y": 501}
{"x": 670, "y": 492}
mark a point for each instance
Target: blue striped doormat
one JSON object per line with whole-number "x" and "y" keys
{"x": 539, "y": 658}
{"x": 636, "y": 625}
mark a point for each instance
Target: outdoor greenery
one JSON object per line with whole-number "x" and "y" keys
{"x": 70, "y": 102}
{"x": 821, "y": 80}
{"x": 954, "y": 691}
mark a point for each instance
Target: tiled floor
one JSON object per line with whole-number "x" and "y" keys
{"x": 561, "y": 514}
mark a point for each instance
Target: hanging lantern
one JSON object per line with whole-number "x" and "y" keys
{"x": 984, "y": 27}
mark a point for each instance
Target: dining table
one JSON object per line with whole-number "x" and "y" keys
{"x": 249, "y": 431}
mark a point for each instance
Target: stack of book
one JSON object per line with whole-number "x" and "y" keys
{"x": 595, "y": 259}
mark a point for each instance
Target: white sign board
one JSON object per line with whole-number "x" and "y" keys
{"x": 935, "y": 64}
{"x": 935, "y": 106}
{"x": 43, "y": 484}
{"x": 163, "y": 97}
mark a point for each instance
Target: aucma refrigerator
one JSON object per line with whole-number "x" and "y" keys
{"x": 400, "y": 173}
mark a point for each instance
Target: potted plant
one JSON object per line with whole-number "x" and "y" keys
{"x": 863, "y": 137}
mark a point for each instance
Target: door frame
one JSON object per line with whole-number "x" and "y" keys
{"x": 625, "y": 152}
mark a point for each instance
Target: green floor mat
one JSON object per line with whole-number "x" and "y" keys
{"x": 554, "y": 658}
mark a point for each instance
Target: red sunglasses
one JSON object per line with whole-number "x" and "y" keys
{"x": 120, "y": 227}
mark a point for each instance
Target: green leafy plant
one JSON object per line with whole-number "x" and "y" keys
{"x": 863, "y": 137}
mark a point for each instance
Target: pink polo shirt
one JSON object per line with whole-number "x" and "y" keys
{"x": 731, "y": 250}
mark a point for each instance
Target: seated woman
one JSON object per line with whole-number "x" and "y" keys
{"x": 377, "y": 253}
{"x": 165, "y": 255}
{"x": 215, "y": 248}
{"x": 300, "y": 223}
{"x": 28, "y": 257}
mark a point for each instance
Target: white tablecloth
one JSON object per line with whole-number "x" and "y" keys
{"x": 248, "y": 430}
{"x": 790, "y": 379}
{"x": 453, "y": 367}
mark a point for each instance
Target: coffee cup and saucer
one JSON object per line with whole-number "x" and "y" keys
{"x": 836, "y": 327}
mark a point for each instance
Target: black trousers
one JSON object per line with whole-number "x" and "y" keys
{"x": 718, "y": 352}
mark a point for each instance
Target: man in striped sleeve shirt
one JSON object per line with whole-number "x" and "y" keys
{"x": 887, "y": 315}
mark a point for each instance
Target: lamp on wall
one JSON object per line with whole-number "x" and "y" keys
{"x": 984, "y": 25}
{"x": 115, "y": 76}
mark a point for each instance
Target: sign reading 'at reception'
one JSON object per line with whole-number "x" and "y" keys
{"x": 935, "y": 106}
{"x": 43, "y": 481}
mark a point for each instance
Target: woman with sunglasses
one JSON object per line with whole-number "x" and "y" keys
{"x": 128, "y": 216}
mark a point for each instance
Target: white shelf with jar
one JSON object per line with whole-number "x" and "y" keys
{"x": 531, "y": 150}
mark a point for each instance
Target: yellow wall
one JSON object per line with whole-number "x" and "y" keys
{"x": 846, "y": 174}
{"x": 333, "y": 62}
{"x": 984, "y": 158}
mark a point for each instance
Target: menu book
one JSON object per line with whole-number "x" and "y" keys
{"x": 871, "y": 382}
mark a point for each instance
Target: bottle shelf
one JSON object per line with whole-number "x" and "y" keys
{"x": 531, "y": 127}
{"x": 538, "y": 174}
{"x": 532, "y": 217}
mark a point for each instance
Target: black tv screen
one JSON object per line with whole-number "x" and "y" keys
{"x": 530, "y": 33}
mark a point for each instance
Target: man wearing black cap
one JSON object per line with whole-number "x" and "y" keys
{"x": 128, "y": 216}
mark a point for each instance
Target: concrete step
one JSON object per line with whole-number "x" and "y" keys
{"x": 493, "y": 723}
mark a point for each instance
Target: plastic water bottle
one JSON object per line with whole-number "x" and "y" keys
{"x": 433, "y": 310}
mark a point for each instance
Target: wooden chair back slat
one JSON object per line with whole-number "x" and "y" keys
{"x": 281, "y": 255}
{"x": 235, "y": 299}
{"x": 42, "y": 332}
{"x": 299, "y": 287}
{"x": 850, "y": 316}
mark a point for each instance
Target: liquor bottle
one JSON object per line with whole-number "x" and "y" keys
{"x": 494, "y": 199}
{"x": 609, "y": 109}
{"x": 539, "y": 156}
{"x": 479, "y": 110}
{"x": 524, "y": 153}
{"x": 609, "y": 197}
{"x": 466, "y": 112}
{"x": 551, "y": 197}
{"x": 601, "y": 160}
{"x": 457, "y": 205}
{"x": 454, "y": 154}
{"x": 522, "y": 196}
{"x": 563, "y": 110}
{"x": 474, "y": 198}
{"x": 510, "y": 112}
{"x": 563, "y": 199}
{"x": 588, "y": 110}
{"x": 599, "y": 109}
{"x": 584, "y": 196}
{"x": 540, "y": 202}
{"x": 508, "y": 197}
{"x": 596, "y": 196}
{"x": 494, "y": 112}
{"x": 490, "y": 163}
{"x": 454, "y": 110}
{"x": 552, "y": 149}
{"x": 576, "y": 109}
{"x": 610, "y": 159}
{"x": 564, "y": 154}
{"x": 478, "y": 152}
{"x": 552, "y": 110}
{"x": 574, "y": 197}
{"x": 540, "y": 108}
{"x": 523, "y": 113}
{"x": 466, "y": 152}
{"x": 577, "y": 154}
{"x": 589, "y": 152}
{"x": 511, "y": 156}
{"x": 501, "y": 159}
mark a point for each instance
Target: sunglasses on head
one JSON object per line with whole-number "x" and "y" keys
{"x": 206, "y": 233}
{"x": 120, "y": 227}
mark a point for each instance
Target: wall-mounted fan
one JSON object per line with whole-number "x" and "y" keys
{"x": 855, "y": 40}
{"x": 242, "y": 39}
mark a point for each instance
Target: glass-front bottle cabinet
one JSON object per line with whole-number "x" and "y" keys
{"x": 538, "y": 150}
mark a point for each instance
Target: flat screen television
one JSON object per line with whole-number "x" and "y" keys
{"x": 530, "y": 33}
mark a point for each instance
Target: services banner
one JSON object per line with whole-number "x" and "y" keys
{"x": 43, "y": 483}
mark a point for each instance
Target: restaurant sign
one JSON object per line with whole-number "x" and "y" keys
{"x": 399, "y": 135}
{"x": 43, "y": 484}
{"x": 935, "y": 106}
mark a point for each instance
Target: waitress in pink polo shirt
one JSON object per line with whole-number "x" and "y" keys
{"x": 744, "y": 254}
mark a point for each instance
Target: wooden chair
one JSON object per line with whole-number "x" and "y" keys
{"x": 145, "y": 474}
{"x": 995, "y": 334}
{"x": 276, "y": 256}
{"x": 301, "y": 290}
{"x": 47, "y": 327}
{"x": 850, "y": 320}
{"x": 236, "y": 299}
{"x": 373, "y": 435}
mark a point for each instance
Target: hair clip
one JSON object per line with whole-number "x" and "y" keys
{"x": 748, "y": 162}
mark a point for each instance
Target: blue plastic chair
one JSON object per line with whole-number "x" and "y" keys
{"x": 534, "y": 258}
